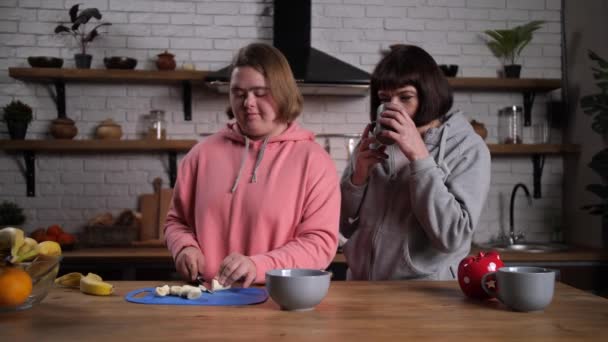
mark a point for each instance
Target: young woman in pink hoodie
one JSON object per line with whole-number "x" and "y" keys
{"x": 260, "y": 194}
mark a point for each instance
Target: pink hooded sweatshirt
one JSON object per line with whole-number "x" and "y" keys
{"x": 276, "y": 201}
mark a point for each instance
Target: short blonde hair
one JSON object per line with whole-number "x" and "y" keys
{"x": 273, "y": 65}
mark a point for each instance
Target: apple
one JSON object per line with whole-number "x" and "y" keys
{"x": 472, "y": 268}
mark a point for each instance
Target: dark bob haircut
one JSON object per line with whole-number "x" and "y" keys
{"x": 273, "y": 65}
{"x": 407, "y": 65}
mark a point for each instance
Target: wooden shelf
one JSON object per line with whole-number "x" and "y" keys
{"x": 527, "y": 86}
{"x": 530, "y": 149}
{"x": 106, "y": 75}
{"x": 185, "y": 145}
{"x": 59, "y": 76}
{"x": 504, "y": 84}
{"x": 97, "y": 145}
{"x": 29, "y": 148}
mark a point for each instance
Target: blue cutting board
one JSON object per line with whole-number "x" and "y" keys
{"x": 233, "y": 296}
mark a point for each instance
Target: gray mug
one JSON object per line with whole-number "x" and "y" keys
{"x": 378, "y": 128}
{"x": 521, "y": 288}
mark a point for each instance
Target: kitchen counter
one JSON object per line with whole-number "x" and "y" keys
{"x": 583, "y": 268}
{"x": 149, "y": 254}
{"x": 367, "y": 311}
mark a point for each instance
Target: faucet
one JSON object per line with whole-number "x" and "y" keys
{"x": 513, "y": 237}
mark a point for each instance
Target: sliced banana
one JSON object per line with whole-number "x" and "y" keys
{"x": 162, "y": 291}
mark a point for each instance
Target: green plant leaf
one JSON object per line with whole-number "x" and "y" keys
{"x": 509, "y": 43}
{"x": 599, "y": 163}
{"x": 74, "y": 13}
{"x": 62, "y": 28}
{"x": 599, "y": 190}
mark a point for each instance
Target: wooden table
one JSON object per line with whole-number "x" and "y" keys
{"x": 367, "y": 311}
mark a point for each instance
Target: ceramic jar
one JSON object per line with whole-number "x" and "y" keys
{"x": 108, "y": 129}
{"x": 63, "y": 128}
{"x": 480, "y": 129}
{"x": 165, "y": 61}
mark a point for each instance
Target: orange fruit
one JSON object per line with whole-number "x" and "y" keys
{"x": 15, "y": 286}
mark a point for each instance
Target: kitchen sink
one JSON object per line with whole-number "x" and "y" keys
{"x": 527, "y": 247}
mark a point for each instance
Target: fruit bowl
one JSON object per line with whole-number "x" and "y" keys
{"x": 43, "y": 271}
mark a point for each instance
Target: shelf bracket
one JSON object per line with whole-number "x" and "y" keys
{"x": 172, "y": 167}
{"x": 528, "y": 102}
{"x": 60, "y": 98}
{"x": 538, "y": 162}
{"x": 187, "y": 98}
{"x": 30, "y": 172}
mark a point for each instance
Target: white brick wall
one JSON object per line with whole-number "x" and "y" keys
{"x": 72, "y": 188}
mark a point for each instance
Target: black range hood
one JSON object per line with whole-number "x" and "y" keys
{"x": 315, "y": 71}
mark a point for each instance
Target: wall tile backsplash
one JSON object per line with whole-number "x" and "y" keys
{"x": 73, "y": 188}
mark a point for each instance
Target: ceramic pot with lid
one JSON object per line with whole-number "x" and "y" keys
{"x": 63, "y": 128}
{"x": 108, "y": 129}
{"x": 165, "y": 61}
{"x": 480, "y": 129}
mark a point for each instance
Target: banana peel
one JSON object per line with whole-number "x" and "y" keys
{"x": 70, "y": 280}
{"x": 27, "y": 252}
{"x": 11, "y": 239}
{"x": 93, "y": 284}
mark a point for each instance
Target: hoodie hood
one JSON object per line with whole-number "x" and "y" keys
{"x": 454, "y": 122}
{"x": 232, "y": 132}
{"x": 293, "y": 133}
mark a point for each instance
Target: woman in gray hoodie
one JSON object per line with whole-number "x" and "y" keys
{"x": 412, "y": 195}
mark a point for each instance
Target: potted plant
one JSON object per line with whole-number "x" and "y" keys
{"x": 17, "y": 116}
{"x": 79, "y": 31}
{"x": 596, "y": 105}
{"x": 11, "y": 215}
{"x": 508, "y": 44}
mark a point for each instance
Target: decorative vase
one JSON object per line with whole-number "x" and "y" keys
{"x": 63, "y": 128}
{"x": 17, "y": 129}
{"x": 512, "y": 71}
{"x": 480, "y": 129}
{"x": 165, "y": 61}
{"x": 83, "y": 61}
{"x": 108, "y": 129}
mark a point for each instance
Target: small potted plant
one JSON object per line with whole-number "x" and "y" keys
{"x": 508, "y": 44}
{"x": 11, "y": 214}
{"x": 17, "y": 116}
{"x": 79, "y": 31}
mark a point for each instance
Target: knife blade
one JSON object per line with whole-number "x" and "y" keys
{"x": 201, "y": 282}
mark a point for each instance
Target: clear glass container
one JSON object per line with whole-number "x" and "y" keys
{"x": 510, "y": 125}
{"x": 157, "y": 127}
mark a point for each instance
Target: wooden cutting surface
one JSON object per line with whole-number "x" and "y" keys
{"x": 352, "y": 311}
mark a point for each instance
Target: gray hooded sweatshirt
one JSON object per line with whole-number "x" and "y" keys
{"x": 415, "y": 220}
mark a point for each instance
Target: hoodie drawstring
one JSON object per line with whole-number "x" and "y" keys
{"x": 238, "y": 175}
{"x": 440, "y": 157}
{"x": 257, "y": 163}
{"x": 259, "y": 160}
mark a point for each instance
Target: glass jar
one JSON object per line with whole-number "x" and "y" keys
{"x": 157, "y": 126}
{"x": 510, "y": 125}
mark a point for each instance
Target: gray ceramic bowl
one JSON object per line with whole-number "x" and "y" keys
{"x": 297, "y": 289}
